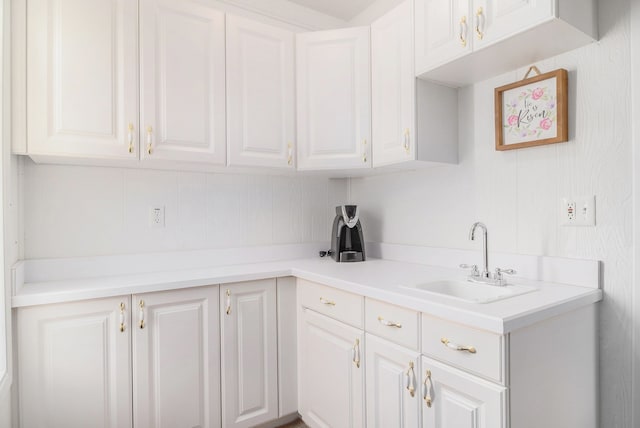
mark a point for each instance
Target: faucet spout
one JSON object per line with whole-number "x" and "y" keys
{"x": 485, "y": 255}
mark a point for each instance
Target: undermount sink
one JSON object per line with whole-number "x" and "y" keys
{"x": 472, "y": 292}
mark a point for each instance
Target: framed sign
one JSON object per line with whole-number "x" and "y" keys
{"x": 533, "y": 111}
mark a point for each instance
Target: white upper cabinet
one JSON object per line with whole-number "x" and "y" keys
{"x": 176, "y": 358}
{"x": 334, "y": 99}
{"x": 82, "y": 78}
{"x": 260, "y": 94}
{"x": 496, "y": 19}
{"x": 393, "y": 90}
{"x": 442, "y": 32}
{"x": 464, "y": 41}
{"x": 397, "y": 99}
{"x": 182, "y": 75}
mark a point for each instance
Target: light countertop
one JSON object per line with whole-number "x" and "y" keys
{"x": 378, "y": 279}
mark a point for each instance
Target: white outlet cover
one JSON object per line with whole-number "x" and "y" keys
{"x": 156, "y": 217}
{"x": 578, "y": 211}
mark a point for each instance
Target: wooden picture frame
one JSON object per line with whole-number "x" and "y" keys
{"x": 533, "y": 111}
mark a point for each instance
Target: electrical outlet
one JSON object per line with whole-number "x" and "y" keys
{"x": 578, "y": 211}
{"x": 156, "y": 217}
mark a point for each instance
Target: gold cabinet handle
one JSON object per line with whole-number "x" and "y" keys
{"x": 479, "y": 18}
{"x": 149, "y": 139}
{"x": 289, "y": 154}
{"x": 467, "y": 348}
{"x": 410, "y": 380}
{"x": 389, "y": 323}
{"x": 427, "y": 386}
{"x": 228, "y": 293}
{"x": 355, "y": 353}
{"x": 364, "y": 155}
{"x": 122, "y": 309}
{"x": 130, "y": 137}
{"x": 141, "y": 313}
{"x": 463, "y": 31}
{"x": 407, "y": 140}
{"x": 327, "y": 302}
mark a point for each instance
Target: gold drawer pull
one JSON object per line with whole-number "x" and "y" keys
{"x": 228, "y": 302}
{"x": 355, "y": 353}
{"x": 446, "y": 342}
{"x": 410, "y": 380}
{"x": 463, "y": 31}
{"x": 426, "y": 389}
{"x": 141, "y": 313}
{"x": 327, "y": 302}
{"x": 389, "y": 323}
{"x": 122, "y": 309}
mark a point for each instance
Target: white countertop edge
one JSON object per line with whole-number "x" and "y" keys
{"x": 84, "y": 289}
{"x": 448, "y": 311}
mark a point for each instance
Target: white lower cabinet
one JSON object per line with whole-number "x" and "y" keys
{"x": 176, "y": 362}
{"x": 74, "y": 364}
{"x": 331, "y": 372}
{"x": 392, "y": 384}
{"x": 249, "y": 353}
{"x": 453, "y": 398}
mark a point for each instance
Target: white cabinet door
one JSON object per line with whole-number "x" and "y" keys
{"x": 452, "y": 398}
{"x": 260, "y": 94}
{"x": 176, "y": 358}
{"x": 249, "y": 353}
{"x": 443, "y": 31}
{"x": 182, "y": 77}
{"x": 494, "y": 20}
{"x": 330, "y": 372}
{"x": 393, "y": 87}
{"x": 393, "y": 385}
{"x": 82, "y": 78}
{"x": 334, "y": 99}
{"x": 74, "y": 364}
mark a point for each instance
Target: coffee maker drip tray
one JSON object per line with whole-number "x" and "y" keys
{"x": 351, "y": 256}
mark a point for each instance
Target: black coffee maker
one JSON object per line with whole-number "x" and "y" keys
{"x": 347, "y": 242}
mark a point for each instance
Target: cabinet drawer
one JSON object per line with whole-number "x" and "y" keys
{"x": 337, "y": 304}
{"x": 477, "y": 351}
{"x": 397, "y": 324}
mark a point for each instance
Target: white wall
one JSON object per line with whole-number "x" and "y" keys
{"x": 72, "y": 211}
{"x": 635, "y": 111}
{"x": 517, "y": 193}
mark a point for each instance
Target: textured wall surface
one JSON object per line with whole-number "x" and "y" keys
{"x": 517, "y": 193}
{"x": 72, "y": 211}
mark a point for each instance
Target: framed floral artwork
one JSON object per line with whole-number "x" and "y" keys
{"x": 533, "y": 111}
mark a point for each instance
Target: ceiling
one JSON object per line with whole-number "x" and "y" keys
{"x": 342, "y": 9}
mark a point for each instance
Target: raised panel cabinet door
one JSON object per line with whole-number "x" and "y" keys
{"x": 82, "y": 78}
{"x": 75, "y": 364}
{"x": 494, "y": 20}
{"x": 443, "y": 32}
{"x": 393, "y": 385}
{"x": 331, "y": 367}
{"x": 176, "y": 358}
{"x": 249, "y": 353}
{"x": 182, "y": 80}
{"x": 453, "y": 398}
{"x": 333, "y": 71}
{"x": 393, "y": 89}
{"x": 260, "y": 94}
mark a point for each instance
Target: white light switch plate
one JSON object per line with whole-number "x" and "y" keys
{"x": 578, "y": 211}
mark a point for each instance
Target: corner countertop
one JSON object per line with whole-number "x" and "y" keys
{"x": 377, "y": 279}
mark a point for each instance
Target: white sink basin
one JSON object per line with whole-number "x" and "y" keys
{"x": 472, "y": 292}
